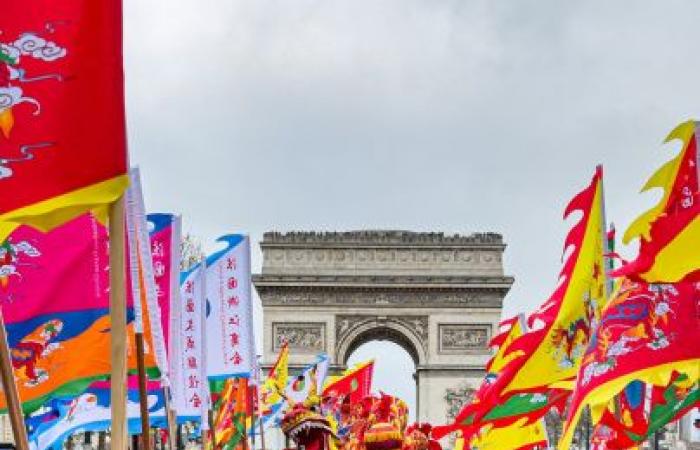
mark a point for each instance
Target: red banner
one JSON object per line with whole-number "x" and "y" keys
{"x": 62, "y": 121}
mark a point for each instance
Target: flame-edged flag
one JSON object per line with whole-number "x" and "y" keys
{"x": 355, "y": 384}
{"x": 62, "y": 140}
{"x": 489, "y": 406}
{"x": 646, "y": 333}
{"x": 669, "y": 233}
{"x": 53, "y": 424}
{"x": 519, "y": 436}
{"x": 54, "y": 290}
{"x": 510, "y": 330}
{"x": 561, "y": 327}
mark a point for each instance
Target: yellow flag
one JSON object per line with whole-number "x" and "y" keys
{"x": 276, "y": 381}
{"x": 565, "y": 319}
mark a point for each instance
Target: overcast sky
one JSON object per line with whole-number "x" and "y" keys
{"x": 427, "y": 115}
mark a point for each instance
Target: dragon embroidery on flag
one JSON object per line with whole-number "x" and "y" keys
{"x": 638, "y": 317}
{"x": 13, "y": 78}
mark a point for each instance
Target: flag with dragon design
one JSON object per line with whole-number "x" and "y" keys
{"x": 647, "y": 332}
{"x": 562, "y": 326}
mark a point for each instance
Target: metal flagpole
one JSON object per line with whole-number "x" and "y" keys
{"x": 117, "y": 311}
{"x": 14, "y": 407}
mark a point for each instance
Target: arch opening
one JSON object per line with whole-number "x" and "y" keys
{"x": 394, "y": 369}
{"x": 382, "y": 334}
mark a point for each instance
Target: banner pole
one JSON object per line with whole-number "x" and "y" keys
{"x": 252, "y": 400}
{"x": 14, "y": 406}
{"x": 169, "y": 418}
{"x": 117, "y": 311}
{"x": 143, "y": 393}
{"x": 260, "y": 411}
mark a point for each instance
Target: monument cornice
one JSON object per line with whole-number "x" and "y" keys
{"x": 381, "y": 238}
{"x": 384, "y": 281}
{"x": 382, "y": 297}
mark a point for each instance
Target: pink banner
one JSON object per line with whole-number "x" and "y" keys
{"x": 165, "y": 250}
{"x": 76, "y": 253}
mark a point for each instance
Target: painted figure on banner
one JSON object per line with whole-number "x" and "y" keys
{"x": 34, "y": 349}
{"x": 13, "y": 77}
{"x": 56, "y": 304}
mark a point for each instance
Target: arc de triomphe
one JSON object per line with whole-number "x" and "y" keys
{"x": 437, "y": 296}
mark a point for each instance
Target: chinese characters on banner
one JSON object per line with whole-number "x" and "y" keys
{"x": 188, "y": 365}
{"x": 230, "y": 316}
{"x": 165, "y": 250}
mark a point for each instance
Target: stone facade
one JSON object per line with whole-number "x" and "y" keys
{"x": 437, "y": 296}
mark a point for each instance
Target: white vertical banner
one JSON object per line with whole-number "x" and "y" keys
{"x": 230, "y": 342}
{"x": 143, "y": 243}
{"x": 188, "y": 371}
{"x": 133, "y": 259}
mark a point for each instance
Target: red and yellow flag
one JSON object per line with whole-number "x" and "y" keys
{"x": 642, "y": 409}
{"x": 562, "y": 326}
{"x": 648, "y": 332}
{"x": 490, "y": 408}
{"x": 519, "y": 436}
{"x": 669, "y": 233}
{"x": 62, "y": 122}
{"x": 354, "y": 384}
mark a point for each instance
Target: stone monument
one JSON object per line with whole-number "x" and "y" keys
{"x": 437, "y": 296}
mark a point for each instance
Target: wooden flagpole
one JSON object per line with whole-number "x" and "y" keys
{"x": 171, "y": 419}
{"x": 260, "y": 408}
{"x": 143, "y": 393}
{"x": 248, "y": 399}
{"x": 14, "y": 407}
{"x": 117, "y": 311}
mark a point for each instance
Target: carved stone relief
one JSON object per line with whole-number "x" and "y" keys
{"x": 304, "y": 337}
{"x": 457, "y": 338}
{"x": 449, "y": 259}
{"x": 456, "y": 398}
